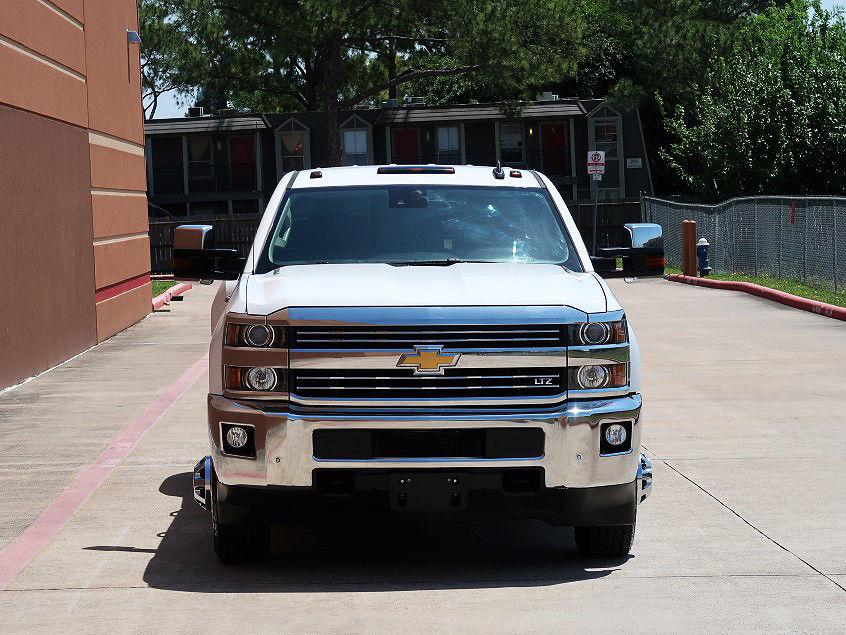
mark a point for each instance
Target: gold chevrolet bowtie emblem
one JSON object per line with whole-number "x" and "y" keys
{"x": 428, "y": 360}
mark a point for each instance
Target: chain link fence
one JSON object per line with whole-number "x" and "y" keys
{"x": 796, "y": 238}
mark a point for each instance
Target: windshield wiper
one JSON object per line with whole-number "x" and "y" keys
{"x": 445, "y": 262}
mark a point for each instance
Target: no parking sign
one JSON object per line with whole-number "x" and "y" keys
{"x": 596, "y": 163}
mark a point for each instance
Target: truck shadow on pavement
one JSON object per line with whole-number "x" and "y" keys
{"x": 363, "y": 556}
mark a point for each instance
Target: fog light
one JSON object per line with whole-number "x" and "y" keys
{"x": 259, "y": 335}
{"x": 592, "y": 377}
{"x": 615, "y": 434}
{"x": 237, "y": 437}
{"x": 261, "y": 378}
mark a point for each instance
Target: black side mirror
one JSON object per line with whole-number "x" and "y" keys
{"x": 643, "y": 257}
{"x": 195, "y": 258}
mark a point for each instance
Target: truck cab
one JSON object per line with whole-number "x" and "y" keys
{"x": 424, "y": 340}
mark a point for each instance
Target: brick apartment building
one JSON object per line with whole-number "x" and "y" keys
{"x": 223, "y": 168}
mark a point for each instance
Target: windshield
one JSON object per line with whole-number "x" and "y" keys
{"x": 418, "y": 225}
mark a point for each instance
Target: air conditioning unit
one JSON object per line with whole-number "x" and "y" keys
{"x": 546, "y": 96}
{"x": 415, "y": 101}
{"x": 195, "y": 111}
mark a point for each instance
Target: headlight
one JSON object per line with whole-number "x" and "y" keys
{"x": 598, "y": 376}
{"x": 259, "y": 379}
{"x": 598, "y": 333}
{"x": 593, "y": 377}
{"x": 255, "y": 335}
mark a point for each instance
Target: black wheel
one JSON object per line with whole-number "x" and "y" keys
{"x": 613, "y": 541}
{"x": 238, "y": 543}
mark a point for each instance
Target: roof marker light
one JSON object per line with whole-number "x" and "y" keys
{"x": 515, "y": 174}
{"x": 415, "y": 169}
{"x": 316, "y": 174}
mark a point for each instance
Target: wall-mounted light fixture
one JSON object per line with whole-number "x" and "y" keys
{"x": 531, "y": 131}
{"x": 132, "y": 37}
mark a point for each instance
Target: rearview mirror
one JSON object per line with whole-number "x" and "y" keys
{"x": 643, "y": 257}
{"x": 196, "y": 258}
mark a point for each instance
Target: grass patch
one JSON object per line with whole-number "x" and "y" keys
{"x": 160, "y": 286}
{"x": 794, "y": 287}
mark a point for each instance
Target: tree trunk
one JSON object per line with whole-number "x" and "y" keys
{"x": 331, "y": 105}
{"x": 392, "y": 68}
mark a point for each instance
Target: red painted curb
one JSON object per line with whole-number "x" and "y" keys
{"x": 160, "y": 300}
{"x": 805, "y": 304}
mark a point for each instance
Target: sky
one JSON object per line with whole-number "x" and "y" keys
{"x": 168, "y": 108}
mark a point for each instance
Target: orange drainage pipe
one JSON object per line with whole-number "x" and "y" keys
{"x": 813, "y": 306}
{"x": 163, "y": 298}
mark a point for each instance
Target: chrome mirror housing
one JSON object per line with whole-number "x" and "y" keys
{"x": 193, "y": 237}
{"x": 196, "y": 258}
{"x": 649, "y": 235}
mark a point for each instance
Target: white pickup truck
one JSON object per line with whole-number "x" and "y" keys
{"x": 429, "y": 340}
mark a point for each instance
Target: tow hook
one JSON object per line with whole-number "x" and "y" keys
{"x": 202, "y": 482}
{"x": 644, "y": 478}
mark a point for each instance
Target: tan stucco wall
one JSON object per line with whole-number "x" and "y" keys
{"x": 74, "y": 255}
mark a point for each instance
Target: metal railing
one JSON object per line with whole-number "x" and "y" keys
{"x": 790, "y": 237}
{"x": 204, "y": 177}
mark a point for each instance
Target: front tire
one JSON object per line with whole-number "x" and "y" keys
{"x": 237, "y": 543}
{"x": 612, "y": 541}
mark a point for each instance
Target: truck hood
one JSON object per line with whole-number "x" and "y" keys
{"x": 463, "y": 284}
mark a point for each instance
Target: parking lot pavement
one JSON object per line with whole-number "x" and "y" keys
{"x": 744, "y": 417}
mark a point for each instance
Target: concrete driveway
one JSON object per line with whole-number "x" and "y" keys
{"x": 745, "y": 404}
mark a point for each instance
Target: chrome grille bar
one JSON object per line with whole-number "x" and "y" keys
{"x": 342, "y": 385}
{"x": 452, "y": 337}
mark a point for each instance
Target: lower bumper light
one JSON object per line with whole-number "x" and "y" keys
{"x": 644, "y": 478}
{"x": 616, "y": 434}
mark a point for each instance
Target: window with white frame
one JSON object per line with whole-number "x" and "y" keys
{"x": 606, "y": 136}
{"x": 355, "y": 139}
{"x": 605, "y": 133}
{"x": 355, "y": 146}
{"x": 449, "y": 144}
{"x": 511, "y": 143}
{"x": 293, "y": 146}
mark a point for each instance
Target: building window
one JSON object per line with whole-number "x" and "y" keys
{"x": 511, "y": 146}
{"x": 293, "y": 147}
{"x": 606, "y": 136}
{"x": 200, "y": 165}
{"x": 355, "y": 147}
{"x": 449, "y": 145}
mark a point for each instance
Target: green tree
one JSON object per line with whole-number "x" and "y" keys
{"x": 163, "y": 42}
{"x": 772, "y": 114}
{"x": 335, "y": 54}
{"x": 656, "y": 55}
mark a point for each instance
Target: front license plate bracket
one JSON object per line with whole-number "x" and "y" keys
{"x": 428, "y": 492}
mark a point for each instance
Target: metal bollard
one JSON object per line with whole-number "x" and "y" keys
{"x": 702, "y": 250}
{"x": 689, "y": 248}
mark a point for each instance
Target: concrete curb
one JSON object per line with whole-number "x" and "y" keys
{"x": 160, "y": 300}
{"x": 813, "y": 306}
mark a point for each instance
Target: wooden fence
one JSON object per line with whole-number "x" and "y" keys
{"x": 231, "y": 232}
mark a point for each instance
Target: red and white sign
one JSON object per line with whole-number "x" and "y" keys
{"x": 596, "y": 162}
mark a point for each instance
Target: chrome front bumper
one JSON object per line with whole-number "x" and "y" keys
{"x": 284, "y": 453}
